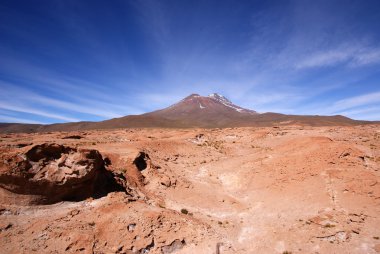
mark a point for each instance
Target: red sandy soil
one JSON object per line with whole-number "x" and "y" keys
{"x": 238, "y": 190}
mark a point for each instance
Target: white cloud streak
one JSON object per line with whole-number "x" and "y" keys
{"x": 362, "y": 111}
{"x": 9, "y": 119}
{"x": 22, "y": 99}
{"x": 356, "y": 101}
{"x": 352, "y": 57}
{"x": 29, "y": 110}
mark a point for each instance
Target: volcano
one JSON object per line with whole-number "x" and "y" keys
{"x": 203, "y": 110}
{"x": 194, "y": 111}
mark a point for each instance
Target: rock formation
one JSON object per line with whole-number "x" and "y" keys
{"x": 49, "y": 173}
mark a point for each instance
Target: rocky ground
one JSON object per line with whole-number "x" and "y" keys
{"x": 292, "y": 189}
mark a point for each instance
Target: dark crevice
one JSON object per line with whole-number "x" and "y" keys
{"x": 141, "y": 161}
{"x": 73, "y": 137}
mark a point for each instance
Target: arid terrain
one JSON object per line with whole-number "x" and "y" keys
{"x": 288, "y": 189}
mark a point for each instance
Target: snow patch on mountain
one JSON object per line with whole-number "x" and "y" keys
{"x": 225, "y": 102}
{"x": 200, "y": 101}
{"x": 220, "y": 98}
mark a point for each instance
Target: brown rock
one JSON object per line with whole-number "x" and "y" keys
{"x": 52, "y": 173}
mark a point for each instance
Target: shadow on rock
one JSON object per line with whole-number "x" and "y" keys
{"x": 50, "y": 173}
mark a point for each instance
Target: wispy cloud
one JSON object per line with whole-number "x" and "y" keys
{"x": 142, "y": 55}
{"x": 356, "y": 101}
{"x": 76, "y": 107}
{"x": 152, "y": 17}
{"x": 30, "y": 110}
{"x": 363, "y": 107}
{"x": 159, "y": 100}
{"x": 352, "y": 57}
{"x": 9, "y": 119}
{"x": 23, "y": 100}
{"x": 362, "y": 112}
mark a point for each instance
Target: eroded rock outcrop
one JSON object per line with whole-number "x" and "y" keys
{"x": 49, "y": 173}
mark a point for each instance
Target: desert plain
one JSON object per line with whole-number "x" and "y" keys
{"x": 281, "y": 189}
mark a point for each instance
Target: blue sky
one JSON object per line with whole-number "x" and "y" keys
{"x": 72, "y": 60}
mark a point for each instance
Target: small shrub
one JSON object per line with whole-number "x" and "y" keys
{"x": 184, "y": 211}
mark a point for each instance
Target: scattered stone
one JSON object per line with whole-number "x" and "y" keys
{"x": 173, "y": 247}
{"x": 131, "y": 227}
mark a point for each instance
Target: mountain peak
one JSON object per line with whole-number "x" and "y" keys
{"x": 213, "y": 104}
{"x": 192, "y": 96}
{"x": 219, "y": 98}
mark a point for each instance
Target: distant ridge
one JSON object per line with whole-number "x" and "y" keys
{"x": 213, "y": 111}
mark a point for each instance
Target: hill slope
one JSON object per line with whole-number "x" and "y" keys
{"x": 213, "y": 111}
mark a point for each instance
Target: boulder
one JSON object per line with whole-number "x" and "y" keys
{"x": 49, "y": 173}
